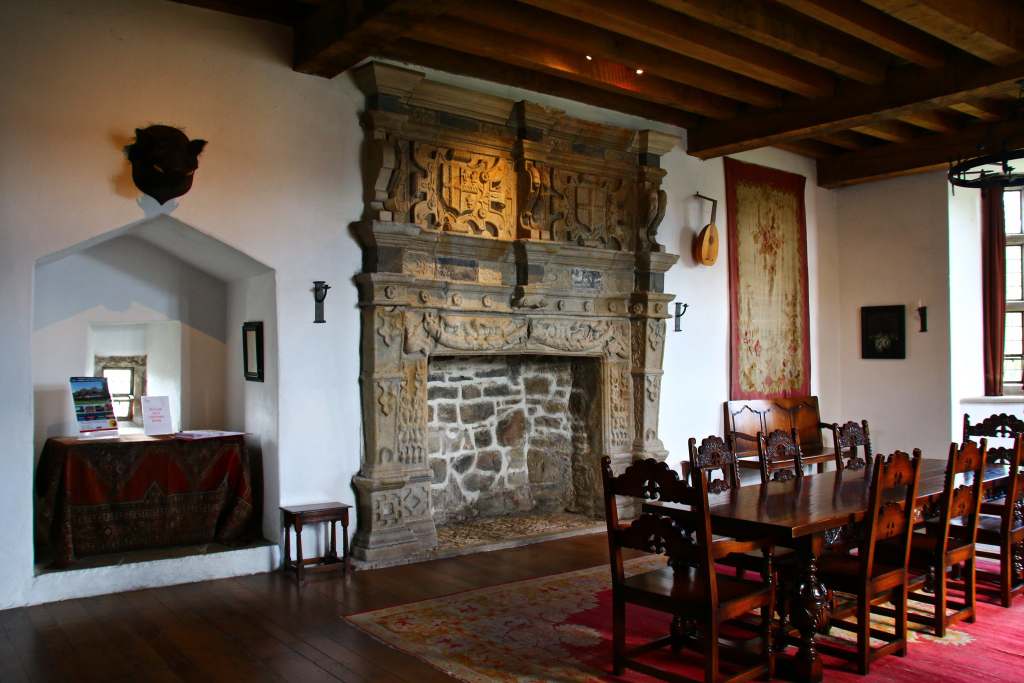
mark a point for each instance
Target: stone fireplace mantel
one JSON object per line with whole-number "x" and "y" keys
{"x": 498, "y": 227}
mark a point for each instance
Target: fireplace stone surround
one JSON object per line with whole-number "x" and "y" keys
{"x": 504, "y": 229}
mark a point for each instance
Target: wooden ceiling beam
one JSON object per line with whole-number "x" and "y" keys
{"x": 584, "y": 39}
{"x": 890, "y": 131}
{"x": 849, "y": 140}
{"x": 928, "y": 152}
{"x": 935, "y": 120}
{"x": 875, "y": 27}
{"x": 984, "y": 108}
{"x": 465, "y": 64}
{"x": 810, "y": 148}
{"x": 992, "y": 30}
{"x": 341, "y": 33}
{"x": 788, "y": 32}
{"x": 906, "y": 91}
{"x": 670, "y": 30}
{"x": 461, "y": 35}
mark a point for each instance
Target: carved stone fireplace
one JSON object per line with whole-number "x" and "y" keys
{"x": 505, "y": 236}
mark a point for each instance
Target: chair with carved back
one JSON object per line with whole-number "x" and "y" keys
{"x": 689, "y": 588}
{"x": 1005, "y": 530}
{"x": 872, "y": 577}
{"x": 947, "y": 541}
{"x": 714, "y": 455}
{"x": 998, "y": 426}
{"x": 847, "y": 439}
{"x": 1001, "y": 426}
{"x": 778, "y": 453}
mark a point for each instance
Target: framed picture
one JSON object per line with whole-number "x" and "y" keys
{"x": 252, "y": 351}
{"x": 883, "y": 332}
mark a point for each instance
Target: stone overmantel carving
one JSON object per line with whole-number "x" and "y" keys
{"x": 498, "y": 227}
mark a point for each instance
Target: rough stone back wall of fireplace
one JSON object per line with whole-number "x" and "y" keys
{"x": 508, "y": 435}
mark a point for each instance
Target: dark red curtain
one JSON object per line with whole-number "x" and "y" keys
{"x": 993, "y": 286}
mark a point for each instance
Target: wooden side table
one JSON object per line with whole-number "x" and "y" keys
{"x": 297, "y": 516}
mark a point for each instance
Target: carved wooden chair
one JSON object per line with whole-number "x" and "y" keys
{"x": 948, "y": 541}
{"x": 713, "y": 454}
{"x": 689, "y": 588}
{"x": 1005, "y": 530}
{"x": 868, "y": 577}
{"x": 1001, "y": 426}
{"x": 847, "y": 439}
{"x": 778, "y": 453}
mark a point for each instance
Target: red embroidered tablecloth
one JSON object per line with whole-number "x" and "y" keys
{"x": 102, "y": 496}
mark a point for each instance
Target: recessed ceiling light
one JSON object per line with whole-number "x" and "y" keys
{"x": 639, "y": 72}
{"x": 589, "y": 58}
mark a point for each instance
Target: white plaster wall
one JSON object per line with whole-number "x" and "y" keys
{"x": 163, "y": 365}
{"x": 966, "y": 348}
{"x": 116, "y": 340}
{"x": 894, "y": 239}
{"x": 252, "y": 407}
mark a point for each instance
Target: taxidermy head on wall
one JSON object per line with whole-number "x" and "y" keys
{"x": 163, "y": 161}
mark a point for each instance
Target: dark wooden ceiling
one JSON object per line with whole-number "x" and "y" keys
{"x": 870, "y": 88}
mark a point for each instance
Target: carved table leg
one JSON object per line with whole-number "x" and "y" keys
{"x": 808, "y": 609}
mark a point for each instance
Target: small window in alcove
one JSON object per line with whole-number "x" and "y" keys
{"x": 126, "y": 379}
{"x": 120, "y": 381}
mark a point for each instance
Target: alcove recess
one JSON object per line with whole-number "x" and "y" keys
{"x": 499, "y": 228}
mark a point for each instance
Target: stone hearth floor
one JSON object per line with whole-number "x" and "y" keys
{"x": 511, "y": 530}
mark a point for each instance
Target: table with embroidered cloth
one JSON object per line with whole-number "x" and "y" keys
{"x": 97, "y": 496}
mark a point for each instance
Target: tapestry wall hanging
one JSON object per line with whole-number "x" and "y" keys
{"x": 769, "y": 323}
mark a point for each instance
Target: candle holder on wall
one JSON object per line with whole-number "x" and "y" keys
{"x": 319, "y": 294}
{"x": 680, "y": 312}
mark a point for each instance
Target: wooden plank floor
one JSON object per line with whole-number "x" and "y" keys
{"x": 257, "y": 628}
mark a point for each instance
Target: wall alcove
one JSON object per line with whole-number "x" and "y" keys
{"x": 170, "y": 299}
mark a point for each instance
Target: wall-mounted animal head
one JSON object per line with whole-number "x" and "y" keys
{"x": 163, "y": 161}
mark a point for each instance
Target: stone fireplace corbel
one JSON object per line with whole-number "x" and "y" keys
{"x": 499, "y": 227}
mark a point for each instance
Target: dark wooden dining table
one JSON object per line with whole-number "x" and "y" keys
{"x": 800, "y": 514}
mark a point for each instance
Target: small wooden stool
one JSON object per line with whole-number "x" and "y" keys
{"x": 296, "y": 516}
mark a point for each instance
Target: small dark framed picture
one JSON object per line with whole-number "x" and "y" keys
{"x": 883, "y": 332}
{"x": 252, "y": 351}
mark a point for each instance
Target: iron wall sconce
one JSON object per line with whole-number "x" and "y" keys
{"x": 680, "y": 312}
{"x": 922, "y": 314}
{"x": 319, "y": 294}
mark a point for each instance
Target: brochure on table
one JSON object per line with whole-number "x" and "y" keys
{"x": 94, "y": 411}
{"x": 156, "y": 415}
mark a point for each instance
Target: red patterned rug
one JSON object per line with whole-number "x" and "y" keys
{"x": 558, "y": 628}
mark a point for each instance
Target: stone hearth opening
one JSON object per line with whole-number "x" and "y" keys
{"x": 511, "y": 436}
